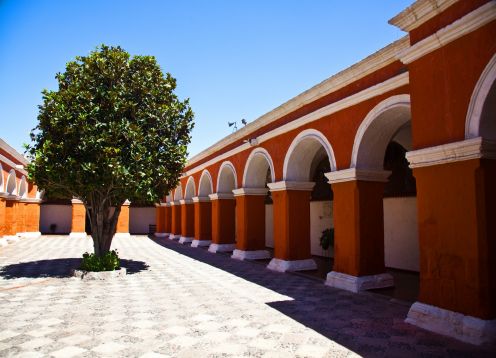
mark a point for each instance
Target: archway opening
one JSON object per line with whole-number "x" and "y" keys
{"x": 190, "y": 190}
{"x": 11, "y": 185}
{"x": 205, "y": 187}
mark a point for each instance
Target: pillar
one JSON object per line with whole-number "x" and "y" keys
{"x": 203, "y": 221}
{"x": 223, "y": 223}
{"x": 160, "y": 220}
{"x": 456, "y": 203}
{"x": 250, "y": 224}
{"x": 358, "y": 230}
{"x": 291, "y": 226}
{"x": 31, "y": 218}
{"x": 187, "y": 221}
{"x": 122, "y": 230}
{"x": 78, "y": 219}
{"x": 168, "y": 219}
{"x": 11, "y": 208}
{"x": 175, "y": 220}
{"x": 20, "y": 214}
{"x": 3, "y": 241}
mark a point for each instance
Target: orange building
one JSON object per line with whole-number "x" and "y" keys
{"x": 395, "y": 153}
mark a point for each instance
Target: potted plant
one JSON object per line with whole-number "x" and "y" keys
{"x": 327, "y": 238}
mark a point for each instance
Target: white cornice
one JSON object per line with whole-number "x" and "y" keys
{"x": 461, "y": 27}
{"x": 291, "y": 185}
{"x": 353, "y": 174}
{"x": 201, "y": 199}
{"x": 6, "y": 147}
{"x": 30, "y": 200}
{"x": 175, "y": 203}
{"x": 453, "y": 152}
{"x": 370, "y": 64}
{"x": 219, "y": 196}
{"x": 386, "y": 86}
{"x": 185, "y": 201}
{"x": 126, "y": 203}
{"x": 4, "y": 159}
{"x": 76, "y": 201}
{"x": 12, "y": 198}
{"x": 3, "y": 194}
{"x": 419, "y": 12}
{"x": 250, "y": 191}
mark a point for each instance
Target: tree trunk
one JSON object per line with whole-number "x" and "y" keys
{"x": 103, "y": 223}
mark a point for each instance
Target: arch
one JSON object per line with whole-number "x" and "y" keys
{"x": 190, "y": 190}
{"x": 205, "y": 187}
{"x": 23, "y": 188}
{"x": 178, "y": 193}
{"x": 483, "y": 95}
{"x": 11, "y": 186}
{"x": 227, "y": 180}
{"x": 256, "y": 167}
{"x": 376, "y": 131}
{"x": 302, "y": 151}
{"x": 168, "y": 197}
{"x": 1, "y": 178}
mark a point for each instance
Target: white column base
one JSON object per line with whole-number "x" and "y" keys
{"x": 174, "y": 237}
{"x": 360, "y": 283}
{"x": 11, "y": 238}
{"x": 3, "y": 242}
{"x": 78, "y": 235}
{"x": 185, "y": 240}
{"x": 221, "y": 248}
{"x": 161, "y": 234}
{"x": 122, "y": 235}
{"x": 453, "y": 324}
{"x": 201, "y": 243}
{"x": 292, "y": 265}
{"x": 250, "y": 255}
{"x": 31, "y": 235}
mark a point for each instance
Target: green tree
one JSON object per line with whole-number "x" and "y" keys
{"x": 113, "y": 131}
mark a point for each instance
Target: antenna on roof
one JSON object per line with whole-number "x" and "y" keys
{"x": 233, "y": 124}
{"x": 244, "y": 122}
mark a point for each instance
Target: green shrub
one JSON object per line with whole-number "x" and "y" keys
{"x": 327, "y": 238}
{"x": 107, "y": 262}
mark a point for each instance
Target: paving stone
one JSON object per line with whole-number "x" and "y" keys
{"x": 68, "y": 352}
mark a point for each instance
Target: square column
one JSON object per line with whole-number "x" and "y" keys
{"x": 456, "y": 203}
{"x": 3, "y": 241}
{"x": 223, "y": 222}
{"x": 167, "y": 219}
{"x": 31, "y": 218}
{"x": 78, "y": 219}
{"x": 203, "y": 221}
{"x": 11, "y": 209}
{"x": 20, "y": 218}
{"x": 175, "y": 220}
{"x": 358, "y": 230}
{"x": 160, "y": 220}
{"x": 250, "y": 224}
{"x": 122, "y": 229}
{"x": 187, "y": 222}
{"x": 291, "y": 226}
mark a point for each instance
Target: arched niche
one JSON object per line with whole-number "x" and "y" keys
{"x": 205, "y": 187}
{"x": 227, "y": 178}
{"x": 178, "y": 193}
{"x": 257, "y": 166}
{"x": 190, "y": 190}
{"x": 23, "y": 188}
{"x": 11, "y": 185}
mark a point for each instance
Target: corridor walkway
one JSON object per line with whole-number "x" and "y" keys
{"x": 180, "y": 301}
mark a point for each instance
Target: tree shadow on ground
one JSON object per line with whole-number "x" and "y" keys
{"x": 58, "y": 268}
{"x": 369, "y": 324}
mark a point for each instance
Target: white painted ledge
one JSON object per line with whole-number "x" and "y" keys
{"x": 185, "y": 201}
{"x": 78, "y": 235}
{"x": 354, "y": 174}
{"x": 250, "y": 255}
{"x": 3, "y": 242}
{"x": 201, "y": 199}
{"x": 201, "y": 243}
{"x": 220, "y": 196}
{"x": 161, "y": 234}
{"x": 453, "y": 324}
{"x": 250, "y": 191}
{"x": 122, "y": 235}
{"x": 31, "y": 235}
{"x": 358, "y": 283}
{"x": 221, "y": 248}
{"x": 185, "y": 240}
{"x": 174, "y": 237}
{"x": 293, "y": 265}
{"x": 291, "y": 185}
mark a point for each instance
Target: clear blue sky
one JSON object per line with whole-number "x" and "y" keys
{"x": 233, "y": 59}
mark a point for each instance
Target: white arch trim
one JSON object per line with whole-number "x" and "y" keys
{"x": 23, "y": 188}
{"x": 205, "y": 176}
{"x": 1, "y": 179}
{"x": 11, "y": 185}
{"x": 306, "y": 134}
{"x": 402, "y": 100}
{"x": 228, "y": 165}
{"x": 190, "y": 185}
{"x": 478, "y": 99}
{"x": 178, "y": 193}
{"x": 263, "y": 152}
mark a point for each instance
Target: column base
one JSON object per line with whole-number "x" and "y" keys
{"x": 78, "y": 235}
{"x": 453, "y": 324}
{"x": 3, "y": 242}
{"x": 250, "y": 255}
{"x": 291, "y": 265}
{"x": 201, "y": 243}
{"x": 161, "y": 234}
{"x": 221, "y": 248}
{"x": 185, "y": 240}
{"x": 11, "y": 238}
{"x": 31, "y": 235}
{"x": 122, "y": 235}
{"x": 358, "y": 283}
{"x": 174, "y": 237}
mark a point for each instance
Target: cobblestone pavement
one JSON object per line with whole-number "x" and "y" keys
{"x": 180, "y": 301}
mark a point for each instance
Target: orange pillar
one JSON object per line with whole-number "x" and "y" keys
{"x": 31, "y": 218}
{"x": 78, "y": 219}
{"x": 291, "y": 226}
{"x": 187, "y": 221}
{"x": 203, "y": 221}
{"x": 20, "y": 217}
{"x": 456, "y": 204}
{"x": 3, "y": 242}
{"x": 160, "y": 220}
{"x": 358, "y": 230}
{"x": 175, "y": 220}
{"x": 223, "y": 223}
{"x": 250, "y": 224}
{"x": 168, "y": 219}
{"x": 123, "y": 221}
{"x": 11, "y": 208}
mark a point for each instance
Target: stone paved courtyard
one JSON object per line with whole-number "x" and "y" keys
{"x": 179, "y": 301}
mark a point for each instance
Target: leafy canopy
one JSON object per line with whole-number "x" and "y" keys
{"x": 114, "y": 130}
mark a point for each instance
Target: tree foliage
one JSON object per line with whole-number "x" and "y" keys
{"x": 114, "y": 130}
